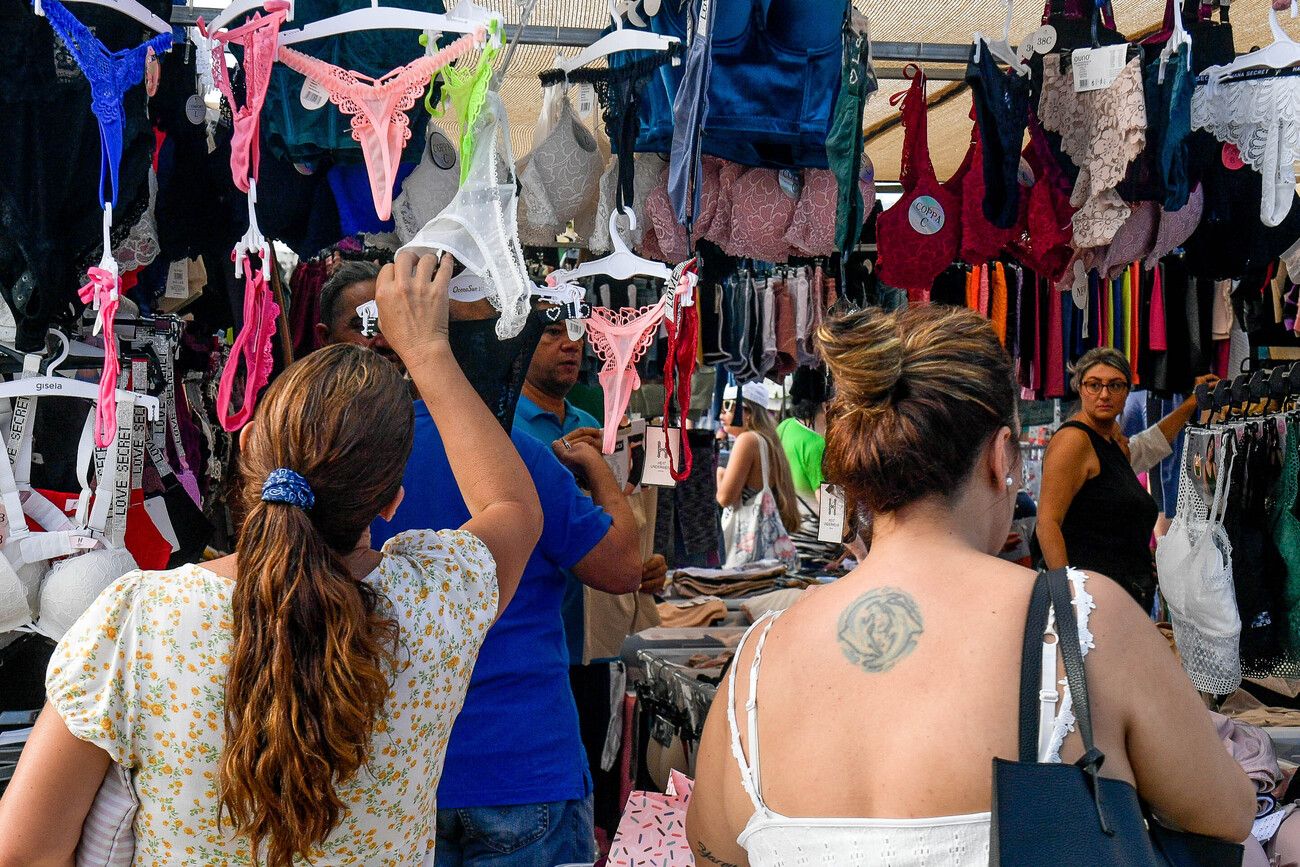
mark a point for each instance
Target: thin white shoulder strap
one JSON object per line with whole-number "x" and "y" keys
{"x": 762, "y": 455}
{"x": 749, "y": 774}
{"x": 1049, "y": 694}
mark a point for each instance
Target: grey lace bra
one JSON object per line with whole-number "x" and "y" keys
{"x": 430, "y": 187}
{"x": 560, "y": 173}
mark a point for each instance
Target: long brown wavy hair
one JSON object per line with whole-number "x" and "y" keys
{"x": 759, "y": 421}
{"x": 312, "y": 657}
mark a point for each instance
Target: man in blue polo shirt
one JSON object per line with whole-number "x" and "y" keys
{"x": 515, "y": 788}
{"x": 545, "y": 411}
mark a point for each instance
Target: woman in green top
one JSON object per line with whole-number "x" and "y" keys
{"x": 802, "y": 440}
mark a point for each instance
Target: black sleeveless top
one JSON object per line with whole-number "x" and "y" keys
{"x": 1109, "y": 524}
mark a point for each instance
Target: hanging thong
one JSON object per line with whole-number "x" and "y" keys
{"x": 619, "y": 339}
{"x": 110, "y": 74}
{"x": 466, "y": 90}
{"x": 480, "y": 227}
{"x": 253, "y": 344}
{"x": 378, "y": 106}
{"x": 259, "y": 39}
{"x": 683, "y": 325}
{"x": 103, "y": 291}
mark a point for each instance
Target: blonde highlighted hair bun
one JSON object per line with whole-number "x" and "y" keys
{"x": 917, "y": 394}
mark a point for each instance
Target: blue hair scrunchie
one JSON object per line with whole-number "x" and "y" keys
{"x": 286, "y": 486}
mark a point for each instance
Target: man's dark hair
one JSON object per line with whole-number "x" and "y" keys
{"x": 347, "y": 273}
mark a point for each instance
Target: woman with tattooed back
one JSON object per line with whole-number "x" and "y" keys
{"x": 860, "y": 725}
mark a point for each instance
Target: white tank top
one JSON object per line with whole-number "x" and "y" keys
{"x": 774, "y": 840}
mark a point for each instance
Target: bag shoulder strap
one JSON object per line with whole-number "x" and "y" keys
{"x": 762, "y": 456}
{"x": 1030, "y": 667}
{"x": 1067, "y": 629}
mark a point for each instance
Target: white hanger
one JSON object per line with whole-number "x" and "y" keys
{"x": 622, "y": 264}
{"x": 621, "y": 39}
{"x": 253, "y": 241}
{"x": 1001, "y": 49}
{"x": 464, "y": 17}
{"x": 129, "y": 8}
{"x": 1282, "y": 53}
{"x": 240, "y": 8}
{"x": 48, "y": 384}
{"x": 1178, "y": 37}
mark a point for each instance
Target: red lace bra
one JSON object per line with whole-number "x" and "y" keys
{"x": 920, "y": 235}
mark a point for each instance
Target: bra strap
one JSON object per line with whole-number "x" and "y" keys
{"x": 749, "y": 774}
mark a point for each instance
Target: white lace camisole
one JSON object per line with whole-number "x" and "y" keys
{"x": 774, "y": 840}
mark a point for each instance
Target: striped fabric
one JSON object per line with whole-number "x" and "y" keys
{"x": 108, "y": 836}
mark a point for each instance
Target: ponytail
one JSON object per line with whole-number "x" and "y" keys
{"x": 312, "y": 656}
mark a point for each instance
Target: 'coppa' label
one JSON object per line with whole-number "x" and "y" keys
{"x": 926, "y": 215}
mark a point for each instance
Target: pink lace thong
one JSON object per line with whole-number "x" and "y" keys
{"x": 259, "y": 39}
{"x": 378, "y": 106}
{"x": 619, "y": 338}
{"x": 252, "y": 344}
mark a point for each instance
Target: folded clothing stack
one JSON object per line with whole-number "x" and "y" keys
{"x": 748, "y": 580}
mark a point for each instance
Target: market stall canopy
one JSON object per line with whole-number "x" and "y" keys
{"x": 924, "y": 22}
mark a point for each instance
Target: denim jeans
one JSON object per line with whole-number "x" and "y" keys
{"x": 520, "y": 835}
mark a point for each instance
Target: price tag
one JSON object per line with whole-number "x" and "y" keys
{"x": 1025, "y": 174}
{"x": 178, "y": 280}
{"x": 314, "y": 95}
{"x": 195, "y": 110}
{"x": 586, "y": 101}
{"x": 620, "y": 462}
{"x": 1042, "y": 40}
{"x": 1096, "y": 68}
{"x": 467, "y": 286}
{"x": 1079, "y": 288}
{"x": 658, "y": 458}
{"x": 926, "y": 215}
{"x": 831, "y": 515}
{"x": 441, "y": 150}
{"x": 791, "y": 183}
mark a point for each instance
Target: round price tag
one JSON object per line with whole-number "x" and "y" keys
{"x": 1025, "y": 174}
{"x": 1232, "y": 157}
{"x": 314, "y": 95}
{"x": 195, "y": 110}
{"x": 791, "y": 183}
{"x": 441, "y": 150}
{"x": 1079, "y": 288}
{"x": 926, "y": 215}
{"x": 1043, "y": 39}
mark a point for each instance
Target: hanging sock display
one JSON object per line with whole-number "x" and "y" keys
{"x": 378, "y": 106}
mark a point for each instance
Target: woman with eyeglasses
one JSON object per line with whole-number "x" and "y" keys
{"x": 1093, "y": 513}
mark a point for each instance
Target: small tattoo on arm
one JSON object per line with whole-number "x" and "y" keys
{"x": 713, "y": 859}
{"x": 880, "y": 628}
